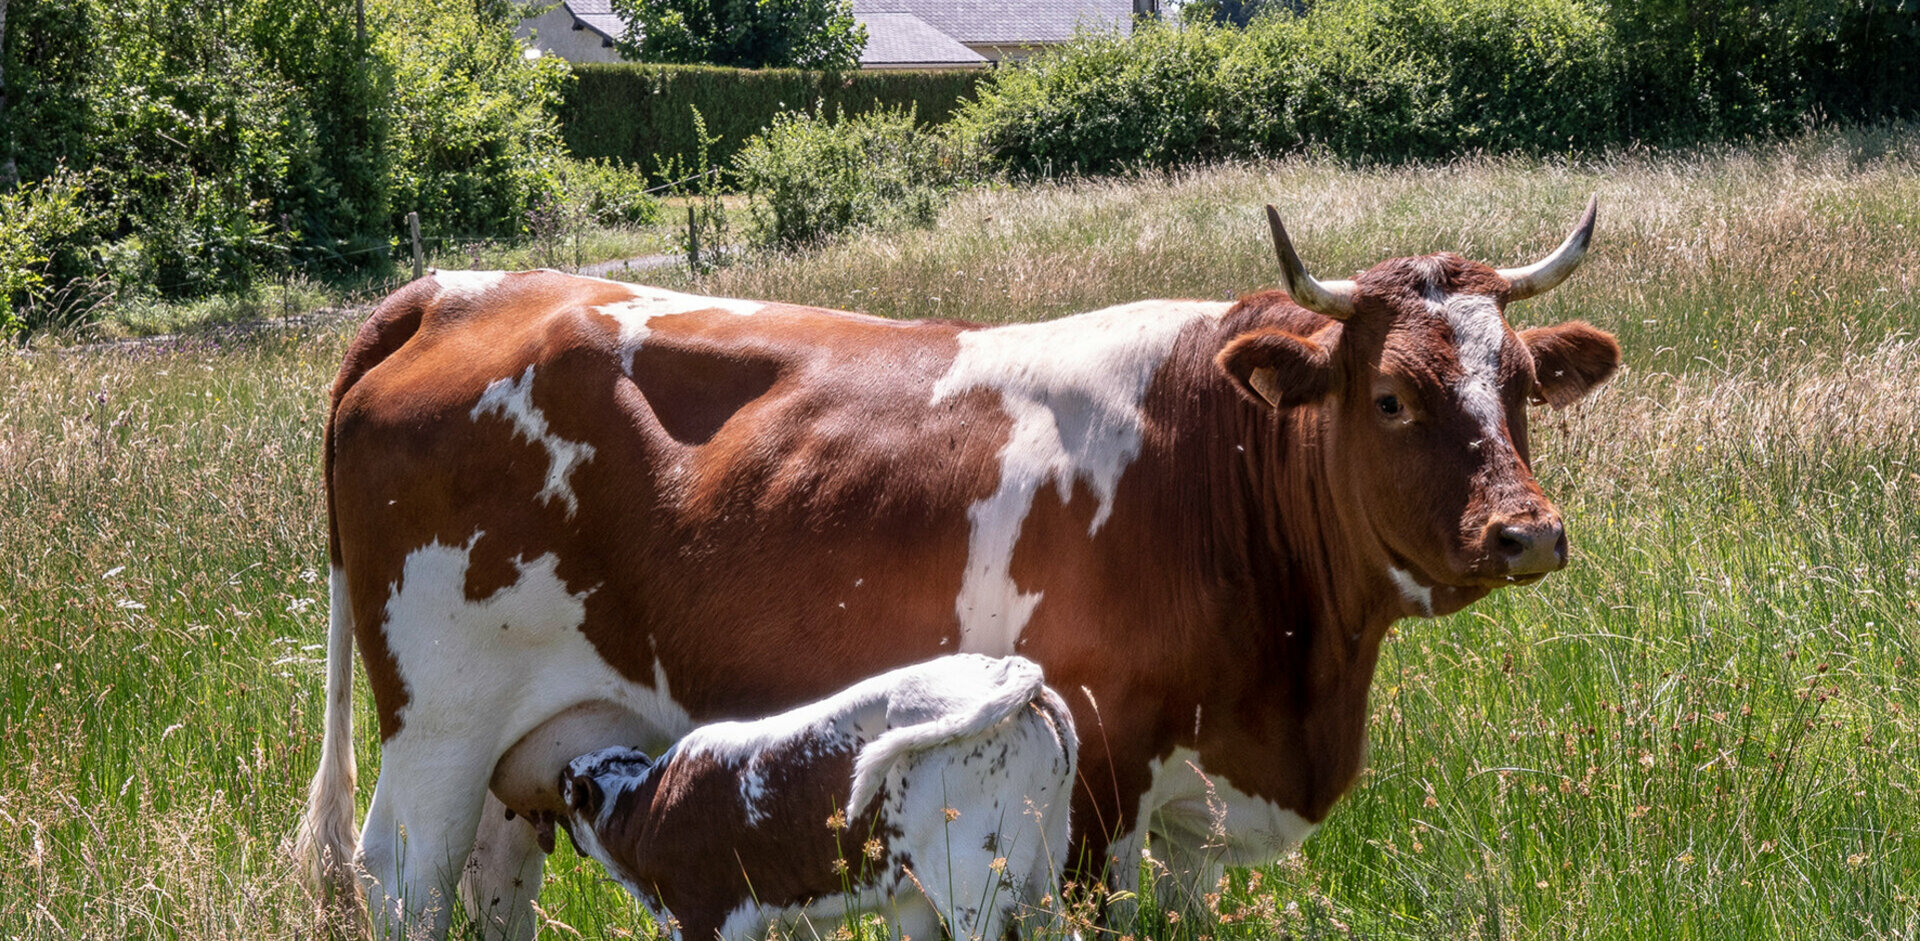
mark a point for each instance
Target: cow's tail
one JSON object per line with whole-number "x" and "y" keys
{"x": 1020, "y": 683}
{"x": 326, "y": 840}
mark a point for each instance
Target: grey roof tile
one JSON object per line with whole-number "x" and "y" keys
{"x": 928, "y": 31}
{"x": 610, "y": 25}
{"x": 901, "y": 39}
{"x": 1009, "y": 21}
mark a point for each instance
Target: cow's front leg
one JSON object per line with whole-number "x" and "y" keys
{"x": 502, "y": 878}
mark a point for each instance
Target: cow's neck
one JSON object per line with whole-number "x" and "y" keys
{"x": 1313, "y": 605}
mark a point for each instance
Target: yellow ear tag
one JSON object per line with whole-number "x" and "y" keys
{"x": 1265, "y": 381}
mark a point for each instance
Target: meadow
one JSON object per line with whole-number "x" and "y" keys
{"x": 1706, "y": 727}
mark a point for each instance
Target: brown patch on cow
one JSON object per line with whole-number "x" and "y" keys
{"x": 692, "y": 391}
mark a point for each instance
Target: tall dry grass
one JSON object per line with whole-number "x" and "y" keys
{"x": 1706, "y": 727}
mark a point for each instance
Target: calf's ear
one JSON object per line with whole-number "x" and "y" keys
{"x": 1276, "y": 368}
{"x": 584, "y": 796}
{"x": 1569, "y": 361}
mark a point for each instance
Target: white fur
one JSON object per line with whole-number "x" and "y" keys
{"x": 650, "y": 302}
{"x": 1192, "y": 825}
{"x": 1479, "y": 334}
{"x": 480, "y": 675}
{"x": 1073, "y": 388}
{"x": 325, "y": 837}
{"x": 1019, "y": 681}
{"x": 467, "y": 285}
{"x": 513, "y": 400}
{"x": 1417, "y": 596}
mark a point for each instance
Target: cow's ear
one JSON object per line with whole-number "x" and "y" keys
{"x": 1569, "y": 361}
{"x": 1276, "y": 368}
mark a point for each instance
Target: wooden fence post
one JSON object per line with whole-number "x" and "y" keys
{"x": 419, "y": 259}
{"x": 693, "y": 242}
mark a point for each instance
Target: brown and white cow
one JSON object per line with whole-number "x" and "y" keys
{"x": 935, "y": 794}
{"x": 568, "y": 513}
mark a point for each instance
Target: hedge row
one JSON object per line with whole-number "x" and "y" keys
{"x": 1430, "y": 79}
{"x": 643, "y": 114}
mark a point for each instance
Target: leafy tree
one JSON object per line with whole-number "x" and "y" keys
{"x": 749, "y": 34}
{"x": 1236, "y": 12}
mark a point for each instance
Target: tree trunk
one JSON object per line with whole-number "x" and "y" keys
{"x": 9, "y": 174}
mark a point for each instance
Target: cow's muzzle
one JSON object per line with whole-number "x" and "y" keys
{"x": 1527, "y": 547}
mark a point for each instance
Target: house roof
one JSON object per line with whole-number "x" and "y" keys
{"x": 934, "y": 32}
{"x": 598, "y": 16}
{"x": 1007, "y": 22}
{"x": 899, "y": 40}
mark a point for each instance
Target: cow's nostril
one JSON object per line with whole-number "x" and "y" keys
{"x": 1511, "y": 541}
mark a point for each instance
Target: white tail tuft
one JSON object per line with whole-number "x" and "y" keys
{"x": 1020, "y": 682}
{"x": 326, "y": 840}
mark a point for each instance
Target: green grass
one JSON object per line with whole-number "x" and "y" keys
{"x": 1706, "y": 727}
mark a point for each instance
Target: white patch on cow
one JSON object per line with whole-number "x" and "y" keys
{"x": 650, "y": 302}
{"x": 1418, "y": 596}
{"x": 1073, "y": 389}
{"x": 479, "y": 676}
{"x": 1196, "y": 824}
{"x": 521, "y": 647}
{"x": 513, "y": 400}
{"x": 1479, "y": 333}
{"x": 466, "y": 285}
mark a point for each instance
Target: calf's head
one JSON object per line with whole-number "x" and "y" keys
{"x": 591, "y": 788}
{"x": 1419, "y": 390}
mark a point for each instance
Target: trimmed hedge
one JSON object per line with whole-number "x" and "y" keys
{"x": 642, "y": 113}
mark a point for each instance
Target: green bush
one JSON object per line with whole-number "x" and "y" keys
{"x": 609, "y": 193}
{"x": 1384, "y": 79}
{"x": 1429, "y": 79}
{"x": 474, "y": 142}
{"x": 1110, "y": 100}
{"x": 42, "y": 227}
{"x": 223, "y": 142}
{"x": 642, "y": 114}
{"x": 808, "y": 177}
{"x": 1400, "y": 79}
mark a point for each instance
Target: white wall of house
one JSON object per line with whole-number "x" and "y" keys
{"x": 552, "y": 33}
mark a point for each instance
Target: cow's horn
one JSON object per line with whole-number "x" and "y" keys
{"x": 1330, "y": 298}
{"x": 1547, "y": 273}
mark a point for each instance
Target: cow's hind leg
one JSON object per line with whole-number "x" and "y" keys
{"x": 502, "y": 878}
{"x": 420, "y": 832}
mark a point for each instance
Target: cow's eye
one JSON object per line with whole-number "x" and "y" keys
{"x": 1389, "y": 405}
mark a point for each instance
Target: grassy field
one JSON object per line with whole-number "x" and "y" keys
{"x": 1707, "y": 727}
